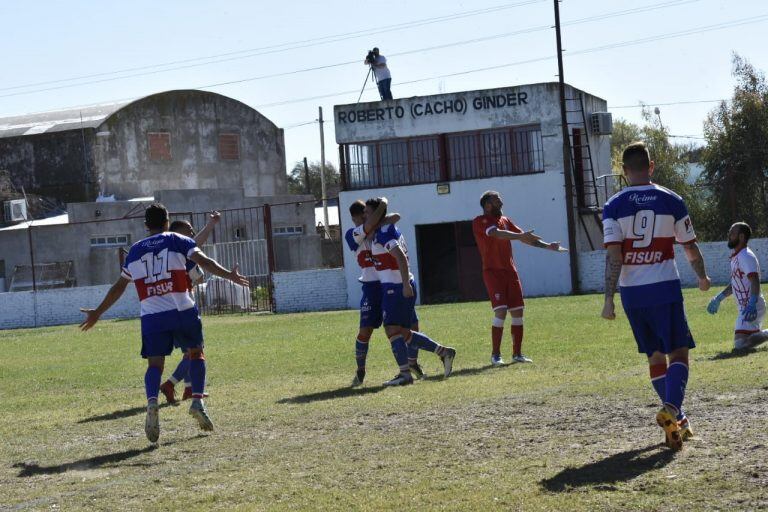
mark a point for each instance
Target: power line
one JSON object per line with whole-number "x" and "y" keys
{"x": 649, "y": 103}
{"x": 346, "y": 63}
{"x": 282, "y": 47}
{"x": 709, "y": 28}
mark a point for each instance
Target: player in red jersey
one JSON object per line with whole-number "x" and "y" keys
{"x": 494, "y": 234}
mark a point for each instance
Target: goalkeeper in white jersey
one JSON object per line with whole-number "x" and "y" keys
{"x": 745, "y": 288}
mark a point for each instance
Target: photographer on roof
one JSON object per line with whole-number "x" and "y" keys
{"x": 380, "y": 70}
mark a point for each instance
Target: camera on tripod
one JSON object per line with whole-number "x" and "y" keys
{"x": 370, "y": 58}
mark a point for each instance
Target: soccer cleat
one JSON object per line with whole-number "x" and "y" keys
{"x": 496, "y": 360}
{"x": 416, "y": 370}
{"x": 152, "y": 423}
{"x": 447, "y": 358}
{"x": 359, "y": 378}
{"x": 198, "y": 411}
{"x": 520, "y": 358}
{"x": 668, "y": 422}
{"x": 401, "y": 379}
{"x": 686, "y": 432}
{"x": 188, "y": 393}
{"x": 167, "y": 389}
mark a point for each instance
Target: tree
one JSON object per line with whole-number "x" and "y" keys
{"x": 297, "y": 183}
{"x": 670, "y": 161}
{"x": 736, "y": 157}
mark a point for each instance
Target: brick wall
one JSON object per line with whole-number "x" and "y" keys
{"x": 61, "y": 306}
{"x": 310, "y": 290}
{"x": 716, "y": 258}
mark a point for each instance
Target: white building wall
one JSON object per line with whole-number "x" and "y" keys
{"x": 716, "y": 259}
{"x": 310, "y": 290}
{"x": 531, "y": 201}
{"x": 61, "y": 306}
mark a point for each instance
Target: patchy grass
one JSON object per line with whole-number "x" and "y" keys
{"x": 574, "y": 430}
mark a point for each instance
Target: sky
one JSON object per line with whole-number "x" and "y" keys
{"x": 663, "y": 53}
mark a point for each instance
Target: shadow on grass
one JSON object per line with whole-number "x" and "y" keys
{"x": 731, "y": 354}
{"x": 116, "y": 415}
{"x": 620, "y": 467}
{"x": 32, "y": 469}
{"x": 330, "y": 395}
{"x": 464, "y": 372}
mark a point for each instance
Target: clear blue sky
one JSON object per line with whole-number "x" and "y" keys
{"x": 45, "y": 41}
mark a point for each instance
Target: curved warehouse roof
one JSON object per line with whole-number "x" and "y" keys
{"x": 90, "y": 116}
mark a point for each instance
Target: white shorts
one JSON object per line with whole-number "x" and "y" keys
{"x": 744, "y": 327}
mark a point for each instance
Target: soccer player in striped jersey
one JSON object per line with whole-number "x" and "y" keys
{"x": 745, "y": 288}
{"x": 398, "y": 303}
{"x": 157, "y": 265}
{"x": 640, "y": 226}
{"x": 494, "y": 234}
{"x": 370, "y": 303}
{"x": 196, "y": 277}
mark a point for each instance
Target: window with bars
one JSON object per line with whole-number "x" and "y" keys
{"x": 229, "y": 146}
{"x": 159, "y": 146}
{"x": 456, "y": 156}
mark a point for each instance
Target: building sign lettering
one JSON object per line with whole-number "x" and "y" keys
{"x": 436, "y": 107}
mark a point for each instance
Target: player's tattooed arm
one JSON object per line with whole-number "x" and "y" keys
{"x": 696, "y": 259}
{"x": 527, "y": 237}
{"x": 612, "y": 273}
{"x": 728, "y": 290}
{"x": 552, "y": 246}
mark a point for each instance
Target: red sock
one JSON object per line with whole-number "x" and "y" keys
{"x": 496, "y": 335}
{"x": 517, "y": 339}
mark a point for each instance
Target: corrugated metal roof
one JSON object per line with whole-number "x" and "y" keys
{"x": 57, "y": 120}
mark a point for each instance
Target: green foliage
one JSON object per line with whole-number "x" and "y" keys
{"x": 297, "y": 183}
{"x": 736, "y": 157}
{"x": 671, "y": 164}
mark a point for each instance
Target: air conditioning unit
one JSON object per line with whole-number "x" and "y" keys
{"x": 15, "y": 210}
{"x": 602, "y": 123}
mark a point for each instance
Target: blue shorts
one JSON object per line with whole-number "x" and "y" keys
{"x": 398, "y": 310}
{"x": 185, "y": 331}
{"x": 370, "y": 305}
{"x": 661, "y": 328}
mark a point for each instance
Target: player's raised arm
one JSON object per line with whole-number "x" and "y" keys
{"x": 213, "y": 218}
{"x": 373, "y": 220}
{"x": 391, "y": 218}
{"x": 115, "y": 292}
{"x": 212, "y": 266}
{"x": 527, "y": 237}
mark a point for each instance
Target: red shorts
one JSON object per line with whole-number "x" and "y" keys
{"x": 504, "y": 289}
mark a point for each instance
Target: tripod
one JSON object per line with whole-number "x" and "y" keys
{"x": 370, "y": 71}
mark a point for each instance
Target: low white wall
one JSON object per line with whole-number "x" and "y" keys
{"x": 310, "y": 290}
{"x": 61, "y": 306}
{"x": 716, "y": 259}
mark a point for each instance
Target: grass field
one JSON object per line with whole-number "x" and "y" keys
{"x": 573, "y": 431}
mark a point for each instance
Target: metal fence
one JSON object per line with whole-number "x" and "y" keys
{"x": 56, "y": 253}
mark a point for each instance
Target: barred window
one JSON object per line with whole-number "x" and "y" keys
{"x": 455, "y": 156}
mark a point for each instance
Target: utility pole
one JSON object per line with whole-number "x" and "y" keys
{"x": 322, "y": 174}
{"x": 307, "y": 188}
{"x": 572, "y": 254}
